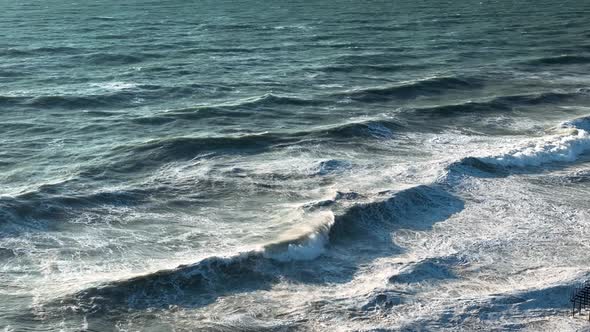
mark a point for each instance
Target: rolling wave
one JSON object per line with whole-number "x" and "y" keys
{"x": 582, "y": 123}
{"x": 500, "y": 104}
{"x": 560, "y": 60}
{"x": 74, "y": 102}
{"x": 541, "y": 98}
{"x": 181, "y": 148}
{"x": 120, "y": 97}
{"x": 376, "y": 129}
{"x": 103, "y": 18}
{"x": 378, "y": 68}
{"x": 193, "y": 284}
{"x": 39, "y": 51}
{"x": 257, "y": 107}
{"x": 130, "y": 141}
{"x": 339, "y": 222}
{"x": 115, "y": 59}
{"x": 565, "y": 143}
{"x": 45, "y": 205}
{"x": 555, "y": 148}
{"x": 271, "y": 99}
{"x": 251, "y": 107}
{"x": 413, "y": 89}
{"x": 306, "y": 244}
{"x": 67, "y": 102}
{"x": 186, "y": 148}
{"x": 199, "y": 283}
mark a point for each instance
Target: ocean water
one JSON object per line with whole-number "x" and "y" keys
{"x": 293, "y": 166}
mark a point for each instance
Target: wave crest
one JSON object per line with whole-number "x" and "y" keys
{"x": 560, "y": 60}
{"x": 566, "y": 143}
{"x": 304, "y": 243}
{"x": 201, "y": 282}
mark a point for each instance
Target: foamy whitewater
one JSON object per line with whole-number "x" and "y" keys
{"x": 293, "y": 166}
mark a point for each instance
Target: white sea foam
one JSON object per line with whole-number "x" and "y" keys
{"x": 113, "y": 86}
{"x": 565, "y": 146}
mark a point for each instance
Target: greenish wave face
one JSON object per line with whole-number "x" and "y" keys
{"x": 232, "y": 166}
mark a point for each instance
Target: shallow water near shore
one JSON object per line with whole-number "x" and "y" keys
{"x": 215, "y": 166}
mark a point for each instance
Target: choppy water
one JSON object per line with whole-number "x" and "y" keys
{"x": 344, "y": 165}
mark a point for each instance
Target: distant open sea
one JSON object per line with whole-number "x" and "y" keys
{"x": 293, "y": 165}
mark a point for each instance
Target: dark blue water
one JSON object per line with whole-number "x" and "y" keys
{"x": 300, "y": 165}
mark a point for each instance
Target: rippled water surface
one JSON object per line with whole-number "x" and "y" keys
{"x": 293, "y": 166}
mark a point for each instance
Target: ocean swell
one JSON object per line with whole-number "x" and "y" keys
{"x": 413, "y": 89}
{"x": 560, "y": 60}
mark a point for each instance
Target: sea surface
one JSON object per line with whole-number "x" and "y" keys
{"x": 293, "y": 165}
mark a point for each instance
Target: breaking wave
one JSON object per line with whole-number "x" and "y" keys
{"x": 259, "y": 268}
{"x": 564, "y": 143}
{"x": 304, "y": 243}
{"x": 345, "y": 219}
{"x": 555, "y": 148}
